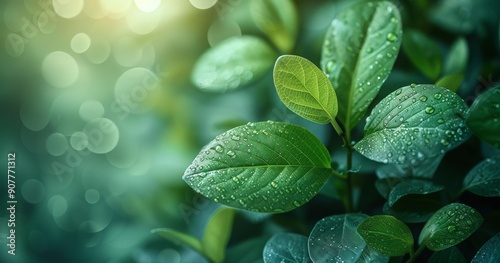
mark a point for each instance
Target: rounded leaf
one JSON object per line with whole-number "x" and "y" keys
{"x": 484, "y": 178}
{"x": 305, "y": 89}
{"x": 412, "y": 187}
{"x": 489, "y": 252}
{"x": 286, "y": 248}
{"x": 449, "y": 255}
{"x": 449, "y": 226}
{"x": 423, "y": 52}
{"x": 386, "y": 235}
{"x": 483, "y": 117}
{"x": 233, "y": 63}
{"x": 414, "y": 123}
{"x": 261, "y": 167}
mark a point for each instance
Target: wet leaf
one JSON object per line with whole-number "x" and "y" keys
{"x": 358, "y": 53}
{"x": 423, "y": 52}
{"x": 286, "y": 248}
{"x": 305, "y": 89}
{"x": 233, "y": 63}
{"x": 483, "y": 117}
{"x": 423, "y": 169}
{"x": 386, "y": 235}
{"x": 484, "y": 178}
{"x": 217, "y": 233}
{"x": 336, "y": 238}
{"x": 489, "y": 252}
{"x": 261, "y": 167}
{"x": 414, "y": 123}
{"x": 449, "y": 226}
{"x": 449, "y": 255}
{"x": 412, "y": 187}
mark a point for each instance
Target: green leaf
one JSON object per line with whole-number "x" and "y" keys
{"x": 451, "y": 81}
{"x": 414, "y": 123}
{"x": 336, "y": 237}
{"x": 423, "y": 52}
{"x": 261, "y": 167}
{"x": 217, "y": 233}
{"x": 483, "y": 117}
{"x": 249, "y": 251}
{"x": 358, "y": 53}
{"x": 305, "y": 89}
{"x": 233, "y": 63}
{"x": 456, "y": 61}
{"x": 286, "y": 248}
{"x": 278, "y": 19}
{"x": 386, "y": 235}
{"x": 423, "y": 169}
{"x": 412, "y": 187}
{"x": 449, "y": 255}
{"x": 414, "y": 209}
{"x": 449, "y": 226}
{"x": 180, "y": 238}
{"x": 484, "y": 178}
{"x": 489, "y": 252}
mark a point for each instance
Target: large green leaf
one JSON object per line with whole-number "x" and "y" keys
{"x": 412, "y": 187}
{"x": 305, "y": 89}
{"x": 449, "y": 255}
{"x": 278, "y": 19}
{"x": 358, "y": 53}
{"x": 336, "y": 238}
{"x": 233, "y": 63}
{"x": 483, "y": 117}
{"x": 217, "y": 233}
{"x": 262, "y": 167}
{"x": 414, "y": 123}
{"x": 423, "y": 52}
{"x": 489, "y": 252}
{"x": 449, "y": 226}
{"x": 484, "y": 178}
{"x": 386, "y": 235}
{"x": 286, "y": 248}
{"x": 456, "y": 60}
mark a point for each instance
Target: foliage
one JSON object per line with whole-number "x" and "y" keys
{"x": 411, "y": 134}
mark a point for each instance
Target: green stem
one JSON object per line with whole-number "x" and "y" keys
{"x": 346, "y": 138}
{"x": 414, "y": 256}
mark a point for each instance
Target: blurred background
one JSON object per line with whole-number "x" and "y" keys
{"x": 99, "y": 107}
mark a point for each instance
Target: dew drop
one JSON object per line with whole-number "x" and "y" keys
{"x": 274, "y": 185}
{"x": 296, "y": 203}
{"x": 437, "y": 96}
{"x": 392, "y": 37}
{"x": 329, "y": 65}
{"x": 398, "y": 91}
{"x": 413, "y": 85}
{"x": 242, "y": 203}
{"x": 451, "y": 228}
{"x": 219, "y": 149}
{"x": 430, "y": 110}
{"x": 440, "y": 121}
{"x": 423, "y": 98}
{"x": 235, "y": 138}
{"x": 231, "y": 153}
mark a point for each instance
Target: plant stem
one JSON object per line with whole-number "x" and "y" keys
{"x": 414, "y": 256}
{"x": 346, "y": 138}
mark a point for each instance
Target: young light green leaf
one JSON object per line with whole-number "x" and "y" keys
{"x": 233, "y": 63}
{"x": 451, "y": 81}
{"x": 336, "y": 238}
{"x": 386, "y": 235}
{"x": 456, "y": 61}
{"x": 449, "y": 255}
{"x": 449, "y": 226}
{"x": 414, "y": 123}
{"x": 489, "y": 252}
{"x": 412, "y": 187}
{"x": 305, "y": 89}
{"x": 181, "y": 238}
{"x": 261, "y": 167}
{"x": 483, "y": 117}
{"x": 484, "y": 178}
{"x": 423, "y": 52}
{"x": 286, "y": 248}
{"x": 278, "y": 19}
{"x": 217, "y": 233}
{"x": 358, "y": 53}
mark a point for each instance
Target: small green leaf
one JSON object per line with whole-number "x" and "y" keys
{"x": 423, "y": 52}
{"x": 451, "y": 81}
{"x": 278, "y": 19}
{"x": 249, "y": 251}
{"x": 286, "y": 248}
{"x": 456, "y": 61}
{"x": 414, "y": 123}
{"x": 217, "y": 233}
{"x": 358, "y": 53}
{"x": 412, "y": 187}
{"x": 489, "y": 252}
{"x": 336, "y": 238}
{"x": 483, "y": 117}
{"x": 305, "y": 89}
{"x": 261, "y": 167}
{"x": 233, "y": 63}
{"x": 449, "y": 226}
{"x": 181, "y": 238}
{"x": 484, "y": 178}
{"x": 414, "y": 209}
{"x": 449, "y": 255}
{"x": 386, "y": 235}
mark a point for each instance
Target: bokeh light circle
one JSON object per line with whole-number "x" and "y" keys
{"x": 134, "y": 88}
{"x": 127, "y": 52}
{"x": 33, "y": 191}
{"x": 222, "y": 30}
{"x": 203, "y": 4}
{"x": 143, "y": 23}
{"x": 79, "y": 141}
{"x": 147, "y": 6}
{"x": 57, "y": 205}
{"x": 67, "y": 8}
{"x": 102, "y": 134}
{"x": 91, "y": 109}
{"x": 92, "y": 196}
{"x": 80, "y": 43}
{"x": 35, "y": 115}
{"x": 60, "y": 69}
{"x": 98, "y": 51}
{"x": 169, "y": 256}
{"x": 56, "y": 144}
